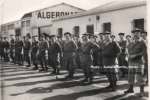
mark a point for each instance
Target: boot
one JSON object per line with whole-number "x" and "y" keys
{"x": 130, "y": 90}
{"x": 141, "y": 91}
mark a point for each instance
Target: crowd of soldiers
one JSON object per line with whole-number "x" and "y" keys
{"x": 128, "y": 55}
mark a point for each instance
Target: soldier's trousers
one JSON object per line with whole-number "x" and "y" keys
{"x": 136, "y": 74}
{"x": 18, "y": 58}
{"x": 68, "y": 63}
{"x": 27, "y": 57}
{"x": 34, "y": 59}
{"x": 42, "y": 60}
{"x": 12, "y": 55}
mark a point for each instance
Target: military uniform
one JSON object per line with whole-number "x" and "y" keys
{"x": 12, "y": 49}
{"x": 6, "y": 48}
{"x": 53, "y": 51}
{"x": 34, "y": 50}
{"x": 69, "y": 50}
{"x": 43, "y": 46}
{"x": 18, "y": 52}
{"x": 109, "y": 54}
{"x": 27, "y": 48}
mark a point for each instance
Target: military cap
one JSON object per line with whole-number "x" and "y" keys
{"x": 143, "y": 32}
{"x": 51, "y": 36}
{"x": 67, "y": 33}
{"x": 101, "y": 34}
{"x": 107, "y": 32}
{"x": 136, "y": 30}
{"x": 112, "y": 36}
{"x": 121, "y": 33}
{"x": 128, "y": 36}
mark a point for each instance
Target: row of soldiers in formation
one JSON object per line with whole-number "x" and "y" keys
{"x": 72, "y": 52}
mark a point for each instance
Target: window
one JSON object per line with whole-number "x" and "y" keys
{"x": 107, "y": 27}
{"x": 60, "y": 32}
{"x": 90, "y": 29}
{"x": 18, "y": 32}
{"x": 28, "y": 23}
{"x": 23, "y": 23}
{"x": 11, "y": 26}
{"x": 76, "y": 30}
{"x": 138, "y": 23}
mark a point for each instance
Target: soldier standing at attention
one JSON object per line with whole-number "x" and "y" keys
{"x": 18, "y": 50}
{"x": 34, "y": 51}
{"x": 136, "y": 51}
{"x": 54, "y": 52}
{"x": 109, "y": 55}
{"x": 27, "y": 51}
{"x": 42, "y": 53}
{"x": 69, "y": 50}
{"x": 122, "y": 56}
{"x": 86, "y": 57}
{"x": 6, "y": 49}
{"x": 12, "y": 49}
{"x": 145, "y": 58}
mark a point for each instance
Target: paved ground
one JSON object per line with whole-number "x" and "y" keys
{"x": 20, "y": 83}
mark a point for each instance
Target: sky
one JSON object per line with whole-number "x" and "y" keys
{"x": 12, "y": 10}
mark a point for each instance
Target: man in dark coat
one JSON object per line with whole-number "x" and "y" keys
{"x": 85, "y": 53}
{"x": 136, "y": 52}
{"x": 69, "y": 50}
{"x": 123, "y": 64}
{"x": 43, "y": 53}
{"x": 54, "y": 52}
{"x": 109, "y": 53}
{"x": 6, "y": 49}
{"x": 27, "y": 51}
{"x": 18, "y": 50}
{"x": 12, "y": 49}
{"x": 34, "y": 50}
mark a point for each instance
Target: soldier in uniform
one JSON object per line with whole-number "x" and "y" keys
{"x": 27, "y": 51}
{"x": 54, "y": 51}
{"x": 1, "y": 48}
{"x": 18, "y": 50}
{"x": 113, "y": 38}
{"x": 34, "y": 50}
{"x": 109, "y": 53}
{"x": 100, "y": 57}
{"x": 136, "y": 50}
{"x": 43, "y": 53}
{"x": 6, "y": 49}
{"x": 122, "y": 56}
{"x": 12, "y": 49}
{"x": 69, "y": 50}
{"x": 86, "y": 57}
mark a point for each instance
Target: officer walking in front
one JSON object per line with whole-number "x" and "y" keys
{"x": 109, "y": 53}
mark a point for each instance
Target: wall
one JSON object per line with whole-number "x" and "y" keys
{"x": 121, "y": 21}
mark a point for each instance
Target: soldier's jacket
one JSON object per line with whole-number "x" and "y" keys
{"x": 100, "y": 57}
{"x": 18, "y": 46}
{"x": 43, "y": 45}
{"x": 86, "y": 52}
{"x": 54, "y": 49}
{"x": 122, "y": 45}
{"x": 12, "y": 44}
{"x": 6, "y": 45}
{"x": 136, "y": 51}
{"x": 109, "y": 53}
{"x": 69, "y": 47}
{"x": 34, "y": 47}
{"x": 27, "y": 45}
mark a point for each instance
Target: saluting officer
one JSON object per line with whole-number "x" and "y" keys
{"x": 86, "y": 57}
{"x": 109, "y": 53}
{"x": 136, "y": 50}
{"x": 18, "y": 50}
{"x": 34, "y": 50}
{"x": 43, "y": 53}
{"x": 122, "y": 56}
{"x": 54, "y": 52}
{"x": 69, "y": 50}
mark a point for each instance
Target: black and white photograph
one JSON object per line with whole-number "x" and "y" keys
{"x": 74, "y": 50}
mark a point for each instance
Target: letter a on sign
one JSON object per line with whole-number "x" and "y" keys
{"x": 39, "y": 15}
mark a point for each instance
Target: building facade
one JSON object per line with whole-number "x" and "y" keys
{"x": 40, "y": 21}
{"x": 119, "y": 16}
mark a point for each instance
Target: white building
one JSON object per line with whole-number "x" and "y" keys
{"x": 40, "y": 21}
{"x": 117, "y": 16}
{"x": 11, "y": 28}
